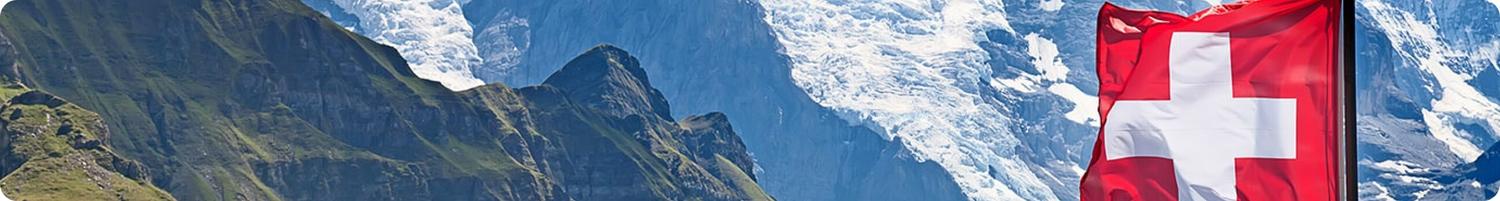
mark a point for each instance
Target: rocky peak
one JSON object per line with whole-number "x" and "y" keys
{"x": 710, "y": 134}
{"x": 608, "y": 79}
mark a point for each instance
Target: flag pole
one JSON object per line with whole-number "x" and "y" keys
{"x": 1347, "y": 134}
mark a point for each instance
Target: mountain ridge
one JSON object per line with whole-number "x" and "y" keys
{"x": 617, "y": 73}
{"x": 269, "y": 100}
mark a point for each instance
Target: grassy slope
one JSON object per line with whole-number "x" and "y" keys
{"x": 267, "y": 100}
{"x": 193, "y": 90}
{"x": 59, "y": 158}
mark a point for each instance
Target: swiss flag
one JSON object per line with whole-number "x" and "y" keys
{"x": 1236, "y": 102}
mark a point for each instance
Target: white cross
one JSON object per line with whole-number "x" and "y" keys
{"x": 1203, "y": 127}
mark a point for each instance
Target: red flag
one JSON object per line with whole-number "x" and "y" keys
{"x": 1235, "y": 102}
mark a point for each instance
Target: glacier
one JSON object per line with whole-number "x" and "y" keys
{"x": 432, "y": 35}
{"x": 712, "y": 55}
{"x": 982, "y": 87}
{"x": 1427, "y": 107}
{"x": 911, "y": 69}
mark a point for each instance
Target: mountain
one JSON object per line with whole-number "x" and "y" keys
{"x": 1001, "y": 94}
{"x": 1427, "y": 105}
{"x": 270, "y": 100}
{"x": 990, "y": 99}
{"x": 845, "y": 100}
{"x": 712, "y": 55}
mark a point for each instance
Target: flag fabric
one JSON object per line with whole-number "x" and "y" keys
{"x": 1236, "y": 102}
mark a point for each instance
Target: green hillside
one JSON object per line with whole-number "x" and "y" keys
{"x": 268, "y": 100}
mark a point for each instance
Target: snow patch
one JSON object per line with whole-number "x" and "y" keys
{"x": 1437, "y": 125}
{"x": 432, "y": 35}
{"x": 1382, "y": 193}
{"x": 1076, "y": 169}
{"x": 1418, "y": 40}
{"x": 1044, "y": 56}
{"x": 1085, "y": 107}
{"x": 1054, "y": 5}
{"x": 1402, "y": 167}
{"x": 1401, "y": 172}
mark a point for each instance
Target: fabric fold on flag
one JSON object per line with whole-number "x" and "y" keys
{"x": 1235, "y": 102}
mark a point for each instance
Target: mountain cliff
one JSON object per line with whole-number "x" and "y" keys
{"x": 269, "y": 100}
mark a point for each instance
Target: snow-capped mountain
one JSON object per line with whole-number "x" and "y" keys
{"x": 1000, "y": 93}
{"x": 1427, "y": 81}
{"x": 719, "y": 53}
{"x": 916, "y": 70}
{"x": 1427, "y": 84}
{"x": 838, "y": 100}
